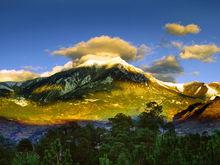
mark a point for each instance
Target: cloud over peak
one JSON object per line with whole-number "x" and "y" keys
{"x": 98, "y": 49}
{"x": 203, "y": 53}
{"x": 105, "y": 45}
{"x": 181, "y": 30}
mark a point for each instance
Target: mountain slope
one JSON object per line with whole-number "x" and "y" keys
{"x": 200, "y": 112}
{"x": 75, "y": 83}
{"x": 199, "y": 118}
{"x": 89, "y": 92}
{"x": 197, "y": 89}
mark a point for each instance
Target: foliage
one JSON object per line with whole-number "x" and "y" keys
{"x": 28, "y": 158}
{"x": 6, "y": 152}
{"x": 56, "y": 154}
{"x": 24, "y": 145}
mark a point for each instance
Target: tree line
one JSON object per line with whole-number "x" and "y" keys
{"x": 145, "y": 139}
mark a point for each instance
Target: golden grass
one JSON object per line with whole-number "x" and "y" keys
{"x": 127, "y": 98}
{"x": 46, "y": 88}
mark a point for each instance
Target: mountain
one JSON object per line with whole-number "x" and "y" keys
{"x": 199, "y": 117}
{"x": 201, "y": 112}
{"x": 5, "y": 90}
{"x": 197, "y": 89}
{"x": 74, "y": 83}
{"x": 94, "y": 91}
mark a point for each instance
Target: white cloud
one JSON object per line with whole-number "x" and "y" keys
{"x": 171, "y": 44}
{"x": 23, "y": 75}
{"x": 142, "y": 51}
{"x": 16, "y": 75}
{"x": 176, "y": 44}
{"x": 203, "y": 53}
{"x": 33, "y": 68}
{"x": 57, "y": 69}
{"x": 105, "y": 45}
{"x": 195, "y": 73}
{"x": 181, "y": 30}
{"x": 165, "y": 69}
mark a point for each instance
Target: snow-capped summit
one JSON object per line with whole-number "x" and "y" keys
{"x": 108, "y": 62}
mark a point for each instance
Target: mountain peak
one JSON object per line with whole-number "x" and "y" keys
{"x": 110, "y": 62}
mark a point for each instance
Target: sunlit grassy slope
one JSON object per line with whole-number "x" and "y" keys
{"x": 126, "y": 97}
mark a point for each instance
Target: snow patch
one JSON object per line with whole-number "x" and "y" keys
{"x": 20, "y": 101}
{"x": 109, "y": 62}
{"x": 212, "y": 92}
{"x": 179, "y": 86}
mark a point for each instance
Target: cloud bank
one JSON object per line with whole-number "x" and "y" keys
{"x": 203, "y": 53}
{"x": 28, "y": 74}
{"x": 16, "y": 75}
{"x": 165, "y": 69}
{"x": 181, "y": 30}
{"x": 99, "y": 48}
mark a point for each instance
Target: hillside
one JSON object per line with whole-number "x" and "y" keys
{"x": 201, "y": 112}
{"x": 90, "y": 92}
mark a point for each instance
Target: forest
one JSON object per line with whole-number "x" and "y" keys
{"x": 142, "y": 140}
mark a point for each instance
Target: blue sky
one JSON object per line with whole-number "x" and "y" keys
{"x": 30, "y": 28}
